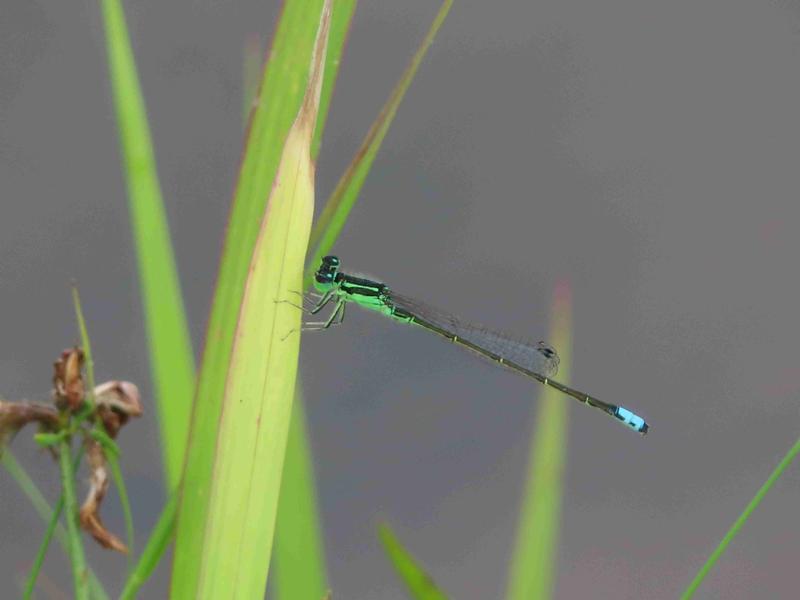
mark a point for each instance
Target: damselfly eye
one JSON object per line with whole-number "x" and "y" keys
{"x": 547, "y": 350}
{"x": 327, "y": 272}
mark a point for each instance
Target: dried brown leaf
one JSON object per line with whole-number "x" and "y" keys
{"x": 90, "y": 511}
{"x": 68, "y": 388}
{"x": 116, "y": 402}
{"x": 15, "y": 415}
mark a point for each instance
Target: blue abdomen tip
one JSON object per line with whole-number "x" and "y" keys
{"x": 632, "y": 420}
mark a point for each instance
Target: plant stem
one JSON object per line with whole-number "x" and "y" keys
{"x": 52, "y": 529}
{"x": 87, "y": 347}
{"x": 79, "y": 571}
{"x": 48, "y": 536}
{"x": 41, "y": 506}
{"x": 116, "y": 473}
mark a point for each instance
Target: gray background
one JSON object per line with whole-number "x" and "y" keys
{"x": 645, "y": 151}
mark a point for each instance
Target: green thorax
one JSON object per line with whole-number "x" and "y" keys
{"x": 368, "y": 294}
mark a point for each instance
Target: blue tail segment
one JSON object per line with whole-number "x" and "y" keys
{"x": 632, "y": 420}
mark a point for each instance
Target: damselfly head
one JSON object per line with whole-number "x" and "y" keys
{"x": 552, "y": 357}
{"x": 325, "y": 277}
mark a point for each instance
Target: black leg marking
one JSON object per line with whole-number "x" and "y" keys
{"x": 316, "y": 306}
{"x": 336, "y": 318}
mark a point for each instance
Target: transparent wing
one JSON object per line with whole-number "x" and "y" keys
{"x": 535, "y": 356}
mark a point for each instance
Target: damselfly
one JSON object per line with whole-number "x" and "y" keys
{"x": 538, "y": 361}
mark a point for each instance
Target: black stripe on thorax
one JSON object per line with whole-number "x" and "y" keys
{"x": 364, "y": 287}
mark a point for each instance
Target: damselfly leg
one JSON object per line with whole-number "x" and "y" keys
{"x": 315, "y": 302}
{"x": 336, "y": 318}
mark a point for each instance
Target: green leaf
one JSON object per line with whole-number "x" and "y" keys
{"x": 258, "y": 392}
{"x": 86, "y": 345}
{"x": 76, "y": 555}
{"x": 341, "y": 17}
{"x": 419, "y": 583}
{"x": 299, "y": 560}
{"x": 534, "y": 563}
{"x": 52, "y": 525}
{"x": 334, "y": 215}
{"x": 280, "y": 96}
{"x": 46, "y": 513}
{"x": 170, "y": 347}
{"x": 49, "y": 439}
{"x": 157, "y": 543}
{"x": 108, "y": 444}
{"x": 283, "y": 77}
{"x": 122, "y": 491}
{"x": 300, "y": 571}
{"x": 739, "y": 523}
{"x": 251, "y": 74}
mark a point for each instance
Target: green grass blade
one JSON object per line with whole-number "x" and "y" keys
{"x": 127, "y": 515}
{"x": 341, "y": 17}
{"x": 76, "y": 555}
{"x": 251, "y": 74}
{"x": 45, "y": 512}
{"x": 52, "y": 529}
{"x": 300, "y": 571}
{"x": 85, "y": 343}
{"x": 419, "y": 583}
{"x": 157, "y": 543}
{"x": 280, "y": 96}
{"x": 170, "y": 347}
{"x": 280, "y": 74}
{"x": 259, "y": 386}
{"x": 329, "y": 225}
{"x": 534, "y": 563}
{"x": 38, "y": 561}
{"x": 112, "y": 457}
{"x": 259, "y": 391}
{"x": 737, "y": 526}
{"x": 299, "y": 560}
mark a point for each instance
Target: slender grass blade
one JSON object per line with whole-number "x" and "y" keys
{"x": 739, "y": 523}
{"x": 299, "y": 559}
{"x": 169, "y": 343}
{"x": 279, "y": 98}
{"x": 419, "y": 584}
{"x": 259, "y": 388}
{"x": 334, "y": 215}
{"x": 534, "y": 563}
